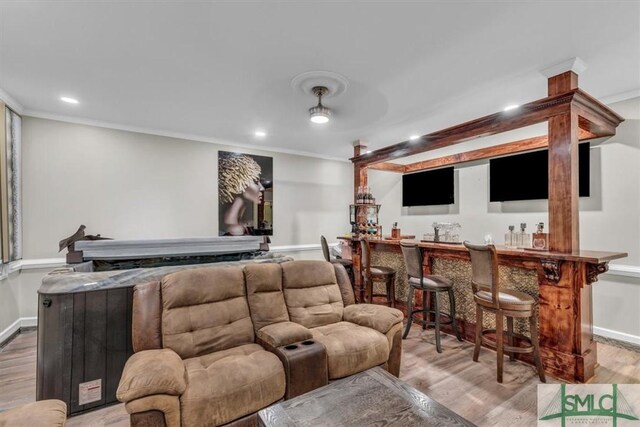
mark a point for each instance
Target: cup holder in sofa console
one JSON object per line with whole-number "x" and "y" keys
{"x": 305, "y": 364}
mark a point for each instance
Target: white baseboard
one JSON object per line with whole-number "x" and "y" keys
{"x": 620, "y": 336}
{"x": 295, "y": 248}
{"x": 624, "y": 270}
{"x": 22, "y": 322}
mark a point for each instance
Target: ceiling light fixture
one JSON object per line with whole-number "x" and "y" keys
{"x": 260, "y": 133}
{"x": 511, "y": 107}
{"x": 319, "y": 114}
{"x": 68, "y": 100}
{"x": 414, "y": 137}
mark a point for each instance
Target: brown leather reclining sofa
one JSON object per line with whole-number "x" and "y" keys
{"x": 215, "y": 345}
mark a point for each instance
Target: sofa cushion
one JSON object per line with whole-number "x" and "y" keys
{"x": 48, "y": 413}
{"x": 373, "y": 316}
{"x": 205, "y": 310}
{"x": 283, "y": 333}
{"x": 351, "y": 348}
{"x": 311, "y": 293}
{"x": 264, "y": 293}
{"x": 230, "y": 384}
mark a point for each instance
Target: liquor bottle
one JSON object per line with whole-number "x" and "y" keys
{"x": 540, "y": 238}
{"x": 524, "y": 238}
{"x": 509, "y": 237}
{"x": 359, "y": 196}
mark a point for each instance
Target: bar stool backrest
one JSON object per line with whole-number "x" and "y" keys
{"x": 325, "y": 249}
{"x": 412, "y": 259}
{"x": 365, "y": 258}
{"x": 484, "y": 269}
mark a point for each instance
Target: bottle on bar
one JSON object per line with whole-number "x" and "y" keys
{"x": 509, "y": 237}
{"x": 524, "y": 238}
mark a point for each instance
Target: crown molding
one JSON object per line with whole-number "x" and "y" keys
{"x": 575, "y": 64}
{"x": 176, "y": 135}
{"x": 622, "y": 96}
{"x": 11, "y": 102}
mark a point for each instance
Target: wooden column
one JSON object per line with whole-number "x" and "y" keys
{"x": 360, "y": 179}
{"x": 359, "y": 171}
{"x": 564, "y": 233}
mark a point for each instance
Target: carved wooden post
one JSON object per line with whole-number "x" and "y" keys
{"x": 564, "y": 233}
{"x": 359, "y": 180}
{"x": 359, "y": 171}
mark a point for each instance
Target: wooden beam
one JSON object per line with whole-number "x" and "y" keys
{"x": 360, "y": 178}
{"x": 562, "y": 83}
{"x": 389, "y": 167}
{"x": 526, "y": 115}
{"x": 529, "y": 144}
{"x": 594, "y": 116}
{"x": 597, "y": 118}
{"x": 482, "y": 153}
{"x": 564, "y": 233}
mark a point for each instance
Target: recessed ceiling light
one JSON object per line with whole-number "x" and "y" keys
{"x": 414, "y": 137}
{"x": 260, "y": 133}
{"x": 511, "y": 107}
{"x": 68, "y": 100}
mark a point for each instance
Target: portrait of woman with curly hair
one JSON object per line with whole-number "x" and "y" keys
{"x": 245, "y": 194}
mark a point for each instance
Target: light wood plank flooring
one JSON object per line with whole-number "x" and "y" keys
{"x": 451, "y": 378}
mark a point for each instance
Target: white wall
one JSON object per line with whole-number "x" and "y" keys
{"x": 609, "y": 219}
{"x": 130, "y": 185}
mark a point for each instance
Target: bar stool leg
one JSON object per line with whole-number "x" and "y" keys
{"x": 512, "y": 355}
{"x": 436, "y": 300}
{"x": 426, "y": 308}
{"x": 409, "y": 312}
{"x": 476, "y": 350}
{"x": 533, "y": 325}
{"x": 499, "y": 344}
{"x": 391, "y": 290}
{"x": 369, "y": 286}
{"x": 452, "y": 311}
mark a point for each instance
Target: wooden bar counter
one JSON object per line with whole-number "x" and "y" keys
{"x": 559, "y": 282}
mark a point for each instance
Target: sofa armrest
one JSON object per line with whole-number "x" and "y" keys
{"x": 377, "y": 317}
{"x": 152, "y": 372}
{"x": 283, "y": 333}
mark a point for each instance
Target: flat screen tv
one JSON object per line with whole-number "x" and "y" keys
{"x": 525, "y": 176}
{"x": 433, "y": 187}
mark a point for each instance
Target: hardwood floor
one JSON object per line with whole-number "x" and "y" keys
{"x": 450, "y": 378}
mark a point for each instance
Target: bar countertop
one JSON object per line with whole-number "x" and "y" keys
{"x": 588, "y": 256}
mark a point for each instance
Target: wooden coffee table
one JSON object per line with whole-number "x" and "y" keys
{"x": 370, "y": 397}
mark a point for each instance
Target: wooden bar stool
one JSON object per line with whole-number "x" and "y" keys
{"x": 431, "y": 283}
{"x": 347, "y": 263}
{"x": 373, "y": 273}
{"x": 503, "y": 303}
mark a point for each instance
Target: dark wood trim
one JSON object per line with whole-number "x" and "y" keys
{"x": 389, "y": 167}
{"x": 597, "y": 119}
{"x": 523, "y": 145}
{"x": 520, "y": 146}
{"x": 528, "y": 114}
{"x": 563, "y": 183}
{"x": 562, "y": 83}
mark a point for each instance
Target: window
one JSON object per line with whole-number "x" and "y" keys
{"x": 10, "y": 185}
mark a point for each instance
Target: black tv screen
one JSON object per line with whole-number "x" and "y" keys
{"x": 526, "y": 177}
{"x": 434, "y": 187}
